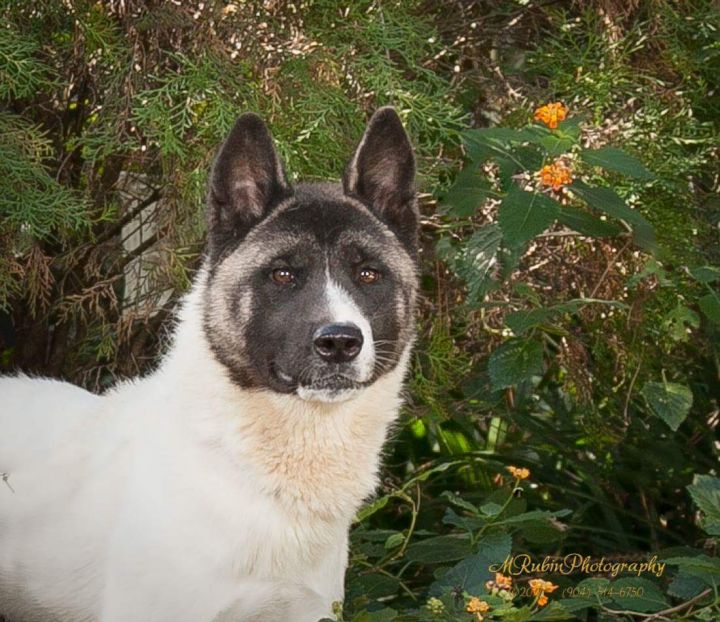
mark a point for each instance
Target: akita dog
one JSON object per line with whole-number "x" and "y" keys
{"x": 222, "y": 486}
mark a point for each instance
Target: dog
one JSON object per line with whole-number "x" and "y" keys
{"x": 221, "y": 486}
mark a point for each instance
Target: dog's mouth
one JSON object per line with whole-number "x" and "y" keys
{"x": 332, "y": 387}
{"x": 333, "y": 382}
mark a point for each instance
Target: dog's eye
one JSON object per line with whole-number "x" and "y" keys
{"x": 368, "y": 275}
{"x": 283, "y": 276}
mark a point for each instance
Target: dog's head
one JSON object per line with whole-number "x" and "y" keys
{"x": 311, "y": 289}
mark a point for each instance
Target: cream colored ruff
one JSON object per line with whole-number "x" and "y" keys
{"x": 181, "y": 497}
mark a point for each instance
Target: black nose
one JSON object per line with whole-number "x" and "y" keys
{"x": 338, "y": 343}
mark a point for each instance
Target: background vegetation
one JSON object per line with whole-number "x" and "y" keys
{"x": 109, "y": 116}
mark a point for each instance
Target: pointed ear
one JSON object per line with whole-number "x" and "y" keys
{"x": 382, "y": 173}
{"x": 246, "y": 182}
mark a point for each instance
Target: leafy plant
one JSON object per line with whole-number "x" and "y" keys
{"x": 519, "y": 184}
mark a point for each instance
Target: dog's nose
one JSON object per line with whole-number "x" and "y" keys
{"x": 338, "y": 343}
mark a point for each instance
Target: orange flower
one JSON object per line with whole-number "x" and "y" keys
{"x": 501, "y": 585}
{"x": 477, "y": 606}
{"x": 519, "y": 473}
{"x": 551, "y": 114}
{"x": 536, "y": 586}
{"x": 556, "y": 175}
{"x": 539, "y": 587}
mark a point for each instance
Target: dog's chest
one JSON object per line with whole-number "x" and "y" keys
{"x": 313, "y": 463}
{"x": 213, "y": 503}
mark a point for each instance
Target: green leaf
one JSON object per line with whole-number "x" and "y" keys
{"x": 375, "y": 586}
{"x": 521, "y": 614}
{"x": 479, "y": 152}
{"x": 677, "y": 321}
{"x": 576, "y": 604}
{"x": 374, "y": 535}
{"x": 495, "y": 546}
{"x": 523, "y": 290}
{"x": 651, "y": 268}
{"x": 617, "y": 160}
{"x": 523, "y": 320}
{"x": 469, "y": 523}
{"x": 533, "y": 516}
{"x": 470, "y": 189}
{"x": 607, "y": 200}
{"x": 705, "y": 491}
{"x": 638, "y": 594}
{"x": 541, "y": 532}
{"x": 686, "y": 586}
{"x": 589, "y": 591}
{"x": 699, "y": 565}
{"x": 438, "y": 549}
{"x": 529, "y": 157}
{"x": 571, "y": 125}
{"x": 553, "y": 611}
{"x": 425, "y": 474}
{"x": 474, "y": 260}
{"x": 710, "y": 306}
{"x": 692, "y": 571}
{"x": 557, "y": 143}
{"x": 705, "y": 274}
{"x": 522, "y": 215}
{"x": 491, "y": 142}
{"x": 497, "y": 136}
{"x": 380, "y": 615}
{"x": 470, "y": 575}
{"x": 490, "y": 509}
{"x": 503, "y": 146}
{"x": 459, "y": 502}
{"x": 585, "y": 223}
{"x": 669, "y": 401}
{"x": 394, "y": 540}
{"x": 473, "y": 572}
{"x": 514, "y": 362}
{"x": 370, "y": 509}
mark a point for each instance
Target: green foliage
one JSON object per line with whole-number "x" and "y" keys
{"x": 514, "y": 362}
{"x": 524, "y": 211}
{"x": 22, "y": 74}
{"x": 522, "y": 215}
{"x": 460, "y": 563}
{"x": 669, "y": 401}
{"x": 32, "y": 201}
{"x": 590, "y": 314}
{"x": 705, "y": 491}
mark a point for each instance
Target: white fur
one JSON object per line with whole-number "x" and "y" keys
{"x": 343, "y": 310}
{"x": 180, "y": 497}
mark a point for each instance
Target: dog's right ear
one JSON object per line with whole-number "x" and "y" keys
{"x": 246, "y": 182}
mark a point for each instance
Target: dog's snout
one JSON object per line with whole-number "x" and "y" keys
{"x": 338, "y": 343}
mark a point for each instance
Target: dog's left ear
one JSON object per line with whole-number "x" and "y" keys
{"x": 382, "y": 174}
{"x": 247, "y": 182}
